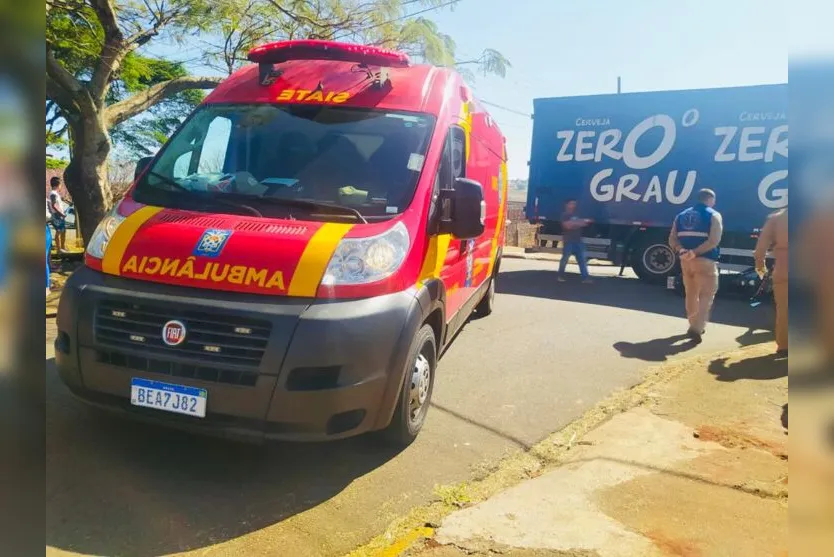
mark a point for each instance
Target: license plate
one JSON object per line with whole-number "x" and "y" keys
{"x": 180, "y": 399}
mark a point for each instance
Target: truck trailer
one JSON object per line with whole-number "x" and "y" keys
{"x": 633, "y": 161}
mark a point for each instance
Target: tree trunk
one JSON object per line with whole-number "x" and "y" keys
{"x": 86, "y": 176}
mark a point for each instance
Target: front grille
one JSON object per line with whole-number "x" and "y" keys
{"x": 213, "y": 338}
{"x": 175, "y": 369}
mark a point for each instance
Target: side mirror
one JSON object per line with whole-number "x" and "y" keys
{"x": 141, "y": 165}
{"x": 463, "y": 210}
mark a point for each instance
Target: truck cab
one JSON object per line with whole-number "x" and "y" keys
{"x": 294, "y": 260}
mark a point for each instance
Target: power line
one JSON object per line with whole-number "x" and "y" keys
{"x": 514, "y": 126}
{"x": 406, "y": 16}
{"x": 511, "y": 110}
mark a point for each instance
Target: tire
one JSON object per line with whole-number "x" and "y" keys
{"x": 418, "y": 385}
{"x": 653, "y": 260}
{"x": 487, "y": 303}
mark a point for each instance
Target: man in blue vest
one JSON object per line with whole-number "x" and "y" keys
{"x": 695, "y": 236}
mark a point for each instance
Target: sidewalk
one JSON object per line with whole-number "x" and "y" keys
{"x": 514, "y": 252}
{"x": 698, "y": 467}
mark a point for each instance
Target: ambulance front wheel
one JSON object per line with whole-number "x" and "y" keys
{"x": 487, "y": 303}
{"x": 415, "y": 395}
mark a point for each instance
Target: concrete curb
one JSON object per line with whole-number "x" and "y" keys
{"x": 553, "y": 257}
{"x": 531, "y": 256}
{"x": 420, "y": 523}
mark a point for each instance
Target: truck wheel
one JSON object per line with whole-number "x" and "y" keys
{"x": 415, "y": 396}
{"x": 653, "y": 261}
{"x": 487, "y": 303}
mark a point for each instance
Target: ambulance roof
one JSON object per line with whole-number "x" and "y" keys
{"x": 338, "y": 81}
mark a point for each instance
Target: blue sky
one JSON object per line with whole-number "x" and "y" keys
{"x": 579, "y": 47}
{"x": 573, "y": 47}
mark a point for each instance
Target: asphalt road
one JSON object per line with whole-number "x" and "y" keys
{"x": 549, "y": 352}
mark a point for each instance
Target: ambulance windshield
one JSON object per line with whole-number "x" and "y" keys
{"x": 363, "y": 159}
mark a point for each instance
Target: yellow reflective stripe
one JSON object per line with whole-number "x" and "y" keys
{"x": 501, "y": 218}
{"x": 116, "y": 247}
{"x": 435, "y": 258}
{"x": 310, "y": 270}
{"x": 465, "y": 117}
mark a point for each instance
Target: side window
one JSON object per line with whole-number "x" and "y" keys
{"x": 458, "y": 140}
{"x": 444, "y": 171}
{"x": 453, "y": 163}
{"x": 444, "y": 180}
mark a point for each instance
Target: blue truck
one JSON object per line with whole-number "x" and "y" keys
{"x": 634, "y": 160}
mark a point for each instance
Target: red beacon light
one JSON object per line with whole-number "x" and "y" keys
{"x": 310, "y": 49}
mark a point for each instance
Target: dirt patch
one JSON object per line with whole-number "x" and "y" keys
{"x": 733, "y": 437}
{"x": 689, "y": 518}
{"x": 669, "y": 546}
{"x": 699, "y": 394}
{"x": 754, "y": 472}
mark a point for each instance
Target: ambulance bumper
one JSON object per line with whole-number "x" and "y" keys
{"x": 276, "y": 368}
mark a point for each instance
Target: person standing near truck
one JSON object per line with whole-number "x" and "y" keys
{"x": 572, "y": 244}
{"x": 59, "y": 215}
{"x": 695, "y": 236}
{"x": 774, "y": 235}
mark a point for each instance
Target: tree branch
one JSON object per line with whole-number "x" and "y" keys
{"x": 330, "y": 26}
{"x": 117, "y": 113}
{"x": 106, "y": 12}
{"x": 60, "y": 75}
{"x": 112, "y": 52}
{"x": 161, "y": 19}
{"x": 57, "y": 113}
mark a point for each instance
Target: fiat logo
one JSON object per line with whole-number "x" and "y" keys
{"x": 173, "y": 333}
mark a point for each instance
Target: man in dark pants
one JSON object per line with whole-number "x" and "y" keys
{"x": 696, "y": 233}
{"x": 572, "y": 244}
{"x": 59, "y": 217}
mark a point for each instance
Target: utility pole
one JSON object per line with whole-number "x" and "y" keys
{"x": 619, "y": 85}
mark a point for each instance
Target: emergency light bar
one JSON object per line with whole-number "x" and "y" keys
{"x": 311, "y": 49}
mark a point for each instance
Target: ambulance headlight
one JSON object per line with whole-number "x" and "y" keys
{"x": 104, "y": 232}
{"x": 366, "y": 260}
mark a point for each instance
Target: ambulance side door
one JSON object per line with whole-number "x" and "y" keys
{"x": 483, "y": 166}
{"x": 453, "y": 273}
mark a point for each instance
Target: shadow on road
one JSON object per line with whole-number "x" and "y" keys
{"x": 752, "y": 490}
{"x": 656, "y": 350}
{"x": 751, "y": 337}
{"x": 515, "y": 440}
{"x": 762, "y": 368}
{"x": 626, "y": 293}
{"x": 115, "y": 487}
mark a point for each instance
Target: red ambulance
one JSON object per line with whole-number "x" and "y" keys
{"x": 294, "y": 260}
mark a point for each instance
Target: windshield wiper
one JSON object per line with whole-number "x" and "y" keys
{"x": 304, "y": 204}
{"x": 207, "y": 198}
{"x": 169, "y": 181}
